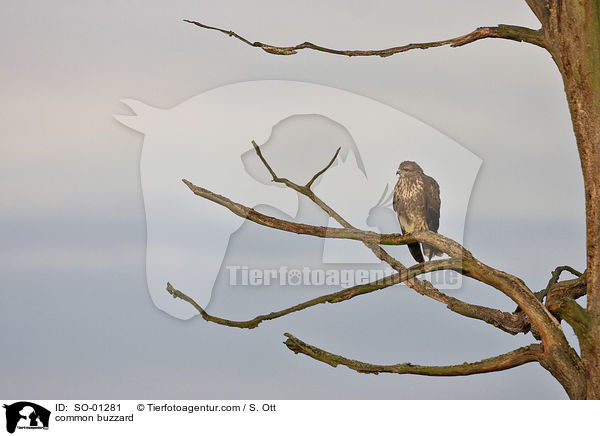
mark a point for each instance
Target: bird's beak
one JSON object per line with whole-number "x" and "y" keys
{"x": 398, "y": 172}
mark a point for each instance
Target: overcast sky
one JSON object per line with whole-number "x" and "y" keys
{"x": 77, "y": 317}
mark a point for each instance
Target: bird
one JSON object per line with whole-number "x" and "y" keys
{"x": 417, "y": 204}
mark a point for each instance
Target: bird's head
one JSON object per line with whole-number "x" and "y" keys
{"x": 409, "y": 168}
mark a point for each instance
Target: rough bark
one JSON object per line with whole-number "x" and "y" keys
{"x": 572, "y": 33}
{"x": 518, "y": 357}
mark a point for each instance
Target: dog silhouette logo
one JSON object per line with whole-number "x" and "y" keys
{"x": 26, "y": 415}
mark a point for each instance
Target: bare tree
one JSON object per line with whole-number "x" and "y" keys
{"x": 570, "y": 32}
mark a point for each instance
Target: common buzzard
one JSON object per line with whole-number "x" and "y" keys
{"x": 417, "y": 203}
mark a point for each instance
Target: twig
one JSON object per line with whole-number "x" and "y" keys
{"x": 316, "y": 176}
{"x": 265, "y": 163}
{"x": 554, "y": 280}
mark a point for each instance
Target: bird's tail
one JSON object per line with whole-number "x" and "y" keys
{"x": 430, "y": 251}
{"x": 415, "y": 251}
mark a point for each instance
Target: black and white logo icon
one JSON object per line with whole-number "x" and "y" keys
{"x": 26, "y": 415}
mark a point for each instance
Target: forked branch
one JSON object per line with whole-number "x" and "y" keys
{"x": 547, "y": 326}
{"x": 502, "y": 31}
{"x": 511, "y": 323}
{"x": 505, "y": 321}
{"x": 565, "y": 364}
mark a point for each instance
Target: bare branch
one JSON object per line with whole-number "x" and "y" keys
{"x": 572, "y": 289}
{"x": 471, "y": 267}
{"x": 335, "y": 297}
{"x": 510, "y": 323}
{"x": 303, "y": 229}
{"x": 503, "y": 31}
{"x": 548, "y": 327}
{"x": 373, "y": 245}
{"x": 507, "y": 322}
{"x": 513, "y": 287}
{"x": 565, "y": 363}
{"x": 515, "y": 358}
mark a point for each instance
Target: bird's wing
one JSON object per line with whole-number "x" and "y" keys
{"x": 398, "y": 204}
{"x": 431, "y": 190}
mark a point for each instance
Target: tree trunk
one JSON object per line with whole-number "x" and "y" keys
{"x": 572, "y": 32}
